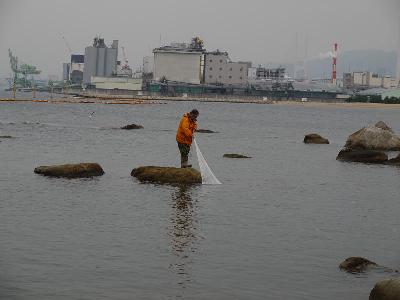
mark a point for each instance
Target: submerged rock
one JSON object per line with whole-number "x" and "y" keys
{"x": 233, "y": 155}
{"x": 377, "y": 137}
{"x": 365, "y": 156}
{"x": 167, "y": 175}
{"x": 205, "y": 131}
{"x": 387, "y": 289}
{"x": 6, "y": 137}
{"x": 314, "y": 138}
{"x": 356, "y": 264}
{"x": 71, "y": 170}
{"x": 132, "y": 126}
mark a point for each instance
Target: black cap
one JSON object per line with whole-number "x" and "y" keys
{"x": 194, "y": 112}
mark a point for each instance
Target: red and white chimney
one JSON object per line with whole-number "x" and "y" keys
{"x": 334, "y": 59}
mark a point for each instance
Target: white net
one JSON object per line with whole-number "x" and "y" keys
{"x": 207, "y": 176}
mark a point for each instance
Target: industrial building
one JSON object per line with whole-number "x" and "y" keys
{"x": 100, "y": 60}
{"x": 179, "y": 62}
{"x": 220, "y": 70}
{"x": 367, "y": 80}
{"x": 273, "y": 73}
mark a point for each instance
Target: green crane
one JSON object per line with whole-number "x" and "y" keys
{"x": 23, "y": 74}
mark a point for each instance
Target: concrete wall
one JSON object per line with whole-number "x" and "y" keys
{"x": 121, "y": 83}
{"x": 218, "y": 70}
{"x": 177, "y": 66}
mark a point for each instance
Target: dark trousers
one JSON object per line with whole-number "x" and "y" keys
{"x": 184, "y": 149}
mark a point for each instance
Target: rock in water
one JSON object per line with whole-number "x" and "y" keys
{"x": 376, "y": 137}
{"x": 356, "y": 264}
{"x": 132, "y": 126}
{"x": 169, "y": 175}
{"x": 233, "y": 155}
{"x": 6, "y": 137}
{"x": 387, "y": 289}
{"x": 71, "y": 170}
{"x": 314, "y": 138}
{"x": 205, "y": 131}
{"x": 394, "y": 161}
{"x": 365, "y": 156}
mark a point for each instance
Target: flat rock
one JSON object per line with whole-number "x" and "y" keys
{"x": 132, "y": 126}
{"x": 314, "y": 138}
{"x": 205, "y": 131}
{"x": 365, "y": 156}
{"x": 356, "y": 264}
{"x": 387, "y": 289}
{"x": 71, "y": 170}
{"x": 376, "y": 137}
{"x": 168, "y": 175}
{"x": 234, "y": 155}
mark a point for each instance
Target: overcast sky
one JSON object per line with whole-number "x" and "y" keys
{"x": 252, "y": 30}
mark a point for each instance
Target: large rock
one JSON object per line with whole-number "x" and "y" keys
{"x": 356, "y": 264}
{"x": 387, "y": 289}
{"x": 71, "y": 170}
{"x": 132, "y": 126}
{"x": 167, "y": 175}
{"x": 365, "y": 156}
{"x": 314, "y": 138}
{"x": 234, "y": 155}
{"x": 376, "y": 137}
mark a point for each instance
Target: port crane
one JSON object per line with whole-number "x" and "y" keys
{"x": 22, "y": 74}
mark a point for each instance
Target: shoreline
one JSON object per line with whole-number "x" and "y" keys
{"x": 163, "y": 100}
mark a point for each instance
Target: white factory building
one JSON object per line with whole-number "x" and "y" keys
{"x": 179, "y": 62}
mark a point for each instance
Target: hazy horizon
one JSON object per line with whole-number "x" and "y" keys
{"x": 257, "y": 31}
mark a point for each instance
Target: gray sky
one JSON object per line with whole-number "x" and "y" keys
{"x": 252, "y": 30}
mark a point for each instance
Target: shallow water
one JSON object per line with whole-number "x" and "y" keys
{"x": 277, "y": 227}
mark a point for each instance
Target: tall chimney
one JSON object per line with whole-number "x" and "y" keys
{"x": 398, "y": 57}
{"x": 334, "y": 64}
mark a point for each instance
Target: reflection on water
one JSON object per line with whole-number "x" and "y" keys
{"x": 183, "y": 235}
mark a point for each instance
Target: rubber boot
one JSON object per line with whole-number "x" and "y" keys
{"x": 184, "y": 162}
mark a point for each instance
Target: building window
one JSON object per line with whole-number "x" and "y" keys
{"x": 220, "y": 69}
{"x": 220, "y": 60}
{"x": 210, "y": 76}
{"x": 241, "y": 69}
{"x": 219, "y": 76}
{"x": 230, "y": 69}
{"x": 241, "y": 77}
{"x": 210, "y": 60}
{"x": 210, "y": 68}
{"x": 230, "y": 77}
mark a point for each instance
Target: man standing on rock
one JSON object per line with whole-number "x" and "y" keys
{"x": 184, "y": 135}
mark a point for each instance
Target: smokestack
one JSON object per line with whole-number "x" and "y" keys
{"x": 398, "y": 57}
{"x": 334, "y": 58}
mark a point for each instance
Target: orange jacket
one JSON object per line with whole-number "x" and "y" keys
{"x": 187, "y": 127}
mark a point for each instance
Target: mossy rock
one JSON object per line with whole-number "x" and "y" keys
{"x": 314, "y": 138}
{"x": 167, "y": 175}
{"x": 132, "y": 126}
{"x": 71, "y": 170}
{"x": 356, "y": 264}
